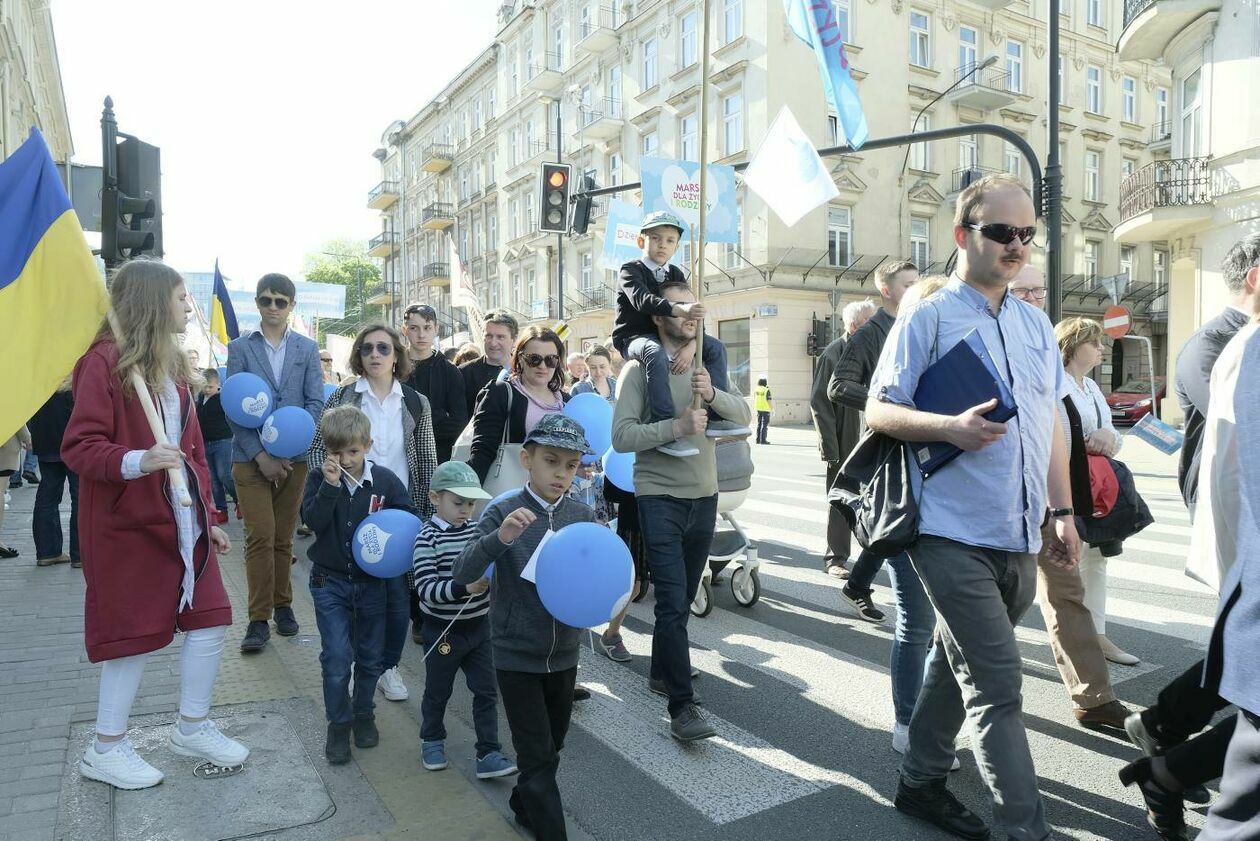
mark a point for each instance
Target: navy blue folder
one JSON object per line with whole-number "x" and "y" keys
{"x": 965, "y": 376}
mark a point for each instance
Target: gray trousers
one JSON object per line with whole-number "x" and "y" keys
{"x": 979, "y": 596}
{"x": 1235, "y": 816}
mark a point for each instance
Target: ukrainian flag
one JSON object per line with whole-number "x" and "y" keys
{"x": 222, "y": 317}
{"x": 52, "y": 297}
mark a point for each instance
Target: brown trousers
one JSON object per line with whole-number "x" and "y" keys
{"x": 1073, "y": 638}
{"x": 271, "y": 516}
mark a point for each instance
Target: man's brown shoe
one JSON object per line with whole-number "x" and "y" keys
{"x": 1108, "y": 716}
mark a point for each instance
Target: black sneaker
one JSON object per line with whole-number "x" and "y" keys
{"x": 658, "y": 686}
{"x": 690, "y": 726}
{"x": 337, "y": 748}
{"x": 256, "y": 636}
{"x": 31, "y": 477}
{"x": 581, "y": 693}
{"x": 286, "y": 622}
{"x": 862, "y": 604}
{"x": 935, "y": 804}
{"x": 1143, "y": 732}
{"x": 365, "y": 733}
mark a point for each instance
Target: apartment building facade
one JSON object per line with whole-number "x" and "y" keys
{"x": 30, "y": 79}
{"x": 602, "y": 86}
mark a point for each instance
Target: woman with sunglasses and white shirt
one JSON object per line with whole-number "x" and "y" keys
{"x": 402, "y": 441}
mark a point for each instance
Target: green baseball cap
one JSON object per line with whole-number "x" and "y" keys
{"x": 459, "y": 478}
{"x": 661, "y": 218}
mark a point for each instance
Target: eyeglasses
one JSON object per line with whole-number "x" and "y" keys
{"x": 1037, "y": 292}
{"x": 1004, "y": 234}
{"x": 381, "y": 348}
{"x": 533, "y": 360}
{"x": 267, "y": 302}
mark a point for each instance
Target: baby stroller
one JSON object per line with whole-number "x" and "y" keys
{"x": 730, "y": 543}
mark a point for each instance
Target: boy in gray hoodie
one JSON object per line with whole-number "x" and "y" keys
{"x": 535, "y": 656}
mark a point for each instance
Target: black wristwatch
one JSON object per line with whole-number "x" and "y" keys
{"x": 1061, "y": 512}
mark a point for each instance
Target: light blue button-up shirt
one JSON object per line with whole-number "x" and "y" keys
{"x": 275, "y": 353}
{"x": 995, "y": 497}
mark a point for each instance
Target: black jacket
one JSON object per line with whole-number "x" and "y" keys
{"x": 832, "y": 422}
{"x": 489, "y": 419}
{"x": 333, "y": 514}
{"x": 441, "y": 382}
{"x": 49, "y": 425}
{"x": 856, "y": 367}
{"x": 638, "y": 299}
{"x": 214, "y": 423}
{"x": 1194, "y": 374}
{"x": 477, "y": 375}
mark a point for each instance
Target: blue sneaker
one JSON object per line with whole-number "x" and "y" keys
{"x": 494, "y": 764}
{"x": 433, "y": 755}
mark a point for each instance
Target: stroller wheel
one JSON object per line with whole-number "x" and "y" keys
{"x": 702, "y": 604}
{"x": 746, "y": 586}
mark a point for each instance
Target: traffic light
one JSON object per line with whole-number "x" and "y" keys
{"x": 582, "y": 207}
{"x": 131, "y": 194}
{"x": 556, "y": 181}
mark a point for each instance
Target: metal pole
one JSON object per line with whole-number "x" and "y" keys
{"x": 560, "y": 237}
{"x": 1053, "y": 189}
{"x": 698, "y": 248}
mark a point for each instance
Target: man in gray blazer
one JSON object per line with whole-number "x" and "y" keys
{"x": 270, "y": 489}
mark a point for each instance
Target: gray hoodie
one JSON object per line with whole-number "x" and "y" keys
{"x": 525, "y": 636}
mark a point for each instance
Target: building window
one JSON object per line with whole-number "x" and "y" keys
{"x": 1063, "y": 93}
{"x": 1128, "y": 88}
{"x": 531, "y": 286}
{"x": 684, "y": 255}
{"x": 1127, "y": 167}
{"x": 920, "y": 39}
{"x": 1093, "y": 175}
{"x": 491, "y": 105}
{"x": 689, "y": 149}
{"x": 968, "y": 49}
{"x": 513, "y": 78}
{"x": 650, "y": 78}
{"x": 732, "y": 20}
{"x": 839, "y": 236}
{"x": 529, "y": 213}
{"x": 1160, "y": 275}
{"x": 516, "y": 291}
{"x": 921, "y": 153}
{"x": 833, "y": 129}
{"x": 734, "y": 334}
{"x": 1092, "y": 248}
{"x": 1093, "y": 89}
{"x": 650, "y": 144}
{"x": 557, "y": 42}
{"x": 588, "y": 275}
{"x": 1094, "y": 12}
{"x": 514, "y": 146}
{"x": 920, "y": 239}
{"x": 1161, "y": 108}
{"x": 479, "y": 239}
{"x": 614, "y": 168}
{"x": 514, "y": 219}
{"x": 733, "y": 124}
{"x": 689, "y": 48}
{"x": 844, "y": 20}
{"x": 1015, "y": 66}
{"x": 492, "y": 231}
{"x": 1191, "y": 116}
{"x": 612, "y": 87}
{"x": 1126, "y": 260}
{"x": 968, "y": 153}
{"x": 731, "y": 251}
{"x": 477, "y": 114}
{"x": 1013, "y": 161}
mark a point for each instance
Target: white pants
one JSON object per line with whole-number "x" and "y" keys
{"x": 1093, "y": 571}
{"x": 198, "y": 668}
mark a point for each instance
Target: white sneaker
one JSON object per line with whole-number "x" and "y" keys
{"x": 678, "y": 449}
{"x": 209, "y": 743}
{"x": 120, "y": 767}
{"x": 901, "y": 742}
{"x": 391, "y": 685}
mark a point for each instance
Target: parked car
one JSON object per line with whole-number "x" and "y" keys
{"x": 1132, "y": 401}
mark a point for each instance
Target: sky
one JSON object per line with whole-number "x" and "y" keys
{"x": 266, "y": 112}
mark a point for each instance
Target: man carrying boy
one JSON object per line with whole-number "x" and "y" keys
{"x": 677, "y": 500}
{"x": 456, "y": 634}
{"x": 349, "y": 603}
{"x": 535, "y": 656}
{"x": 433, "y": 375}
{"x": 269, "y": 489}
{"x": 639, "y": 302}
{"x": 218, "y": 438}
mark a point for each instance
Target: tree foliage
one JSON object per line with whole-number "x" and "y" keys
{"x": 344, "y": 262}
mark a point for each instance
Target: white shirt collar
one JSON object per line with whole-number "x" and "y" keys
{"x": 440, "y": 523}
{"x": 278, "y": 344}
{"x": 364, "y": 387}
{"x": 647, "y": 261}
{"x": 364, "y": 480}
{"x": 546, "y": 506}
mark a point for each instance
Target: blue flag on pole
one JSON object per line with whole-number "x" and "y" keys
{"x": 814, "y": 22}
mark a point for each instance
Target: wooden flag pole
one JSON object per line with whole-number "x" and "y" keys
{"x": 176, "y": 474}
{"x": 698, "y": 248}
{"x": 205, "y": 331}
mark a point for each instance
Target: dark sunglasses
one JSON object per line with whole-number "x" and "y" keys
{"x": 381, "y": 348}
{"x": 267, "y": 302}
{"x": 533, "y": 360}
{"x": 423, "y": 310}
{"x": 1004, "y": 234}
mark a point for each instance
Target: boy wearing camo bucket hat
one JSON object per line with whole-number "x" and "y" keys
{"x": 635, "y": 336}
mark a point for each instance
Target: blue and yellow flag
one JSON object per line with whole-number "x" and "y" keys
{"x": 52, "y": 296}
{"x": 222, "y": 317}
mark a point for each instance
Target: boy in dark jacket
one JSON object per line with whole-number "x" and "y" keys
{"x": 635, "y": 334}
{"x": 349, "y": 603}
{"x": 535, "y": 656}
{"x": 218, "y": 437}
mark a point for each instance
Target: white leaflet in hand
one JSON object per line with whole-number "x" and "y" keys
{"x": 787, "y": 172}
{"x": 531, "y": 568}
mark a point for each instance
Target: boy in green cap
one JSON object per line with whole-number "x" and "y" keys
{"x": 635, "y": 334}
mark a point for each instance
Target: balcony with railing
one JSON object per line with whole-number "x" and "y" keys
{"x": 437, "y": 216}
{"x": 437, "y": 157}
{"x": 598, "y": 33}
{"x": 544, "y": 309}
{"x": 1150, "y": 25}
{"x": 436, "y": 274}
{"x": 964, "y": 177}
{"x": 383, "y": 195}
{"x": 378, "y": 295}
{"x": 601, "y": 120}
{"x": 530, "y": 155}
{"x": 383, "y": 244}
{"x": 984, "y": 89}
{"x": 1165, "y": 198}
{"x": 1161, "y": 136}
{"x": 589, "y": 300}
{"x": 546, "y": 77}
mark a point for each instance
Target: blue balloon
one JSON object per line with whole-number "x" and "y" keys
{"x": 619, "y": 469}
{"x": 288, "y": 432}
{"x": 584, "y": 575}
{"x": 223, "y": 373}
{"x": 595, "y": 414}
{"x": 247, "y": 399}
{"x": 489, "y": 573}
{"x": 505, "y": 495}
{"x": 383, "y": 543}
{"x": 329, "y": 391}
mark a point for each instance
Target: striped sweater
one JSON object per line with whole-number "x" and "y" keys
{"x": 437, "y": 546}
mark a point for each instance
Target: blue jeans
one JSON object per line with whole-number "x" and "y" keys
{"x": 219, "y": 457}
{"x": 350, "y": 615}
{"x": 865, "y": 568}
{"x": 648, "y": 350}
{"x": 46, "y": 518}
{"x": 397, "y": 620}
{"x": 677, "y": 534}
{"x": 470, "y": 652}
{"x": 913, "y": 635}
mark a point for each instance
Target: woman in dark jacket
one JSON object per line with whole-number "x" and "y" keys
{"x": 47, "y": 428}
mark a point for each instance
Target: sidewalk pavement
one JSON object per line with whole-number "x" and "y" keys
{"x": 48, "y": 693}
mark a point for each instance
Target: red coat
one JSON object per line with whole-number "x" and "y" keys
{"x": 127, "y": 531}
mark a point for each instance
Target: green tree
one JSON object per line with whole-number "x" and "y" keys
{"x": 344, "y": 262}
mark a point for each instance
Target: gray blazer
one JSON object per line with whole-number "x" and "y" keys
{"x": 301, "y": 382}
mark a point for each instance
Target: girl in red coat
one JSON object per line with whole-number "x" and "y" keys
{"x": 149, "y": 562}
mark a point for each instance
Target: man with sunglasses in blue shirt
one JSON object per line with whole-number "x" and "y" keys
{"x": 980, "y": 516}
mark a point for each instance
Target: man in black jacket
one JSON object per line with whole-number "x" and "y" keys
{"x": 436, "y": 378}
{"x": 847, "y": 388}
{"x": 498, "y": 339}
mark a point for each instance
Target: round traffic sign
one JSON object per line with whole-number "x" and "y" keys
{"x": 1116, "y": 322}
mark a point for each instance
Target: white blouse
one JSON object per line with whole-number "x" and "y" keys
{"x": 1091, "y": 406}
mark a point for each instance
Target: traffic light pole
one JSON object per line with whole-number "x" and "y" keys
{"x": 1054, "y": 184}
